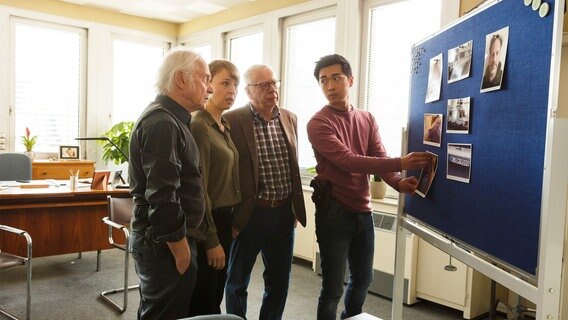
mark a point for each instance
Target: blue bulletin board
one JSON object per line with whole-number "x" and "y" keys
{"x": 498, "y": 211}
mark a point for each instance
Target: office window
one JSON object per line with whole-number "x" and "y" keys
{"x": 204, "y": 51}
{"x": 393, "y": 26}
{"x": 135, "y": 64}
{"x": 48, "y": 82}
{"x": 244, "y": 50}
{"x": 300, "y": 91}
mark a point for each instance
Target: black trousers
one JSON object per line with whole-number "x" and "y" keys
{"x": 210, "y": 285}
{"x": 164, "y": 293}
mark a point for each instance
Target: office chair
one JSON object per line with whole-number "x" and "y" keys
{"x": 120, "y": 212}
{"x": 15, "y": 166}
{"x": 8, "y": 260}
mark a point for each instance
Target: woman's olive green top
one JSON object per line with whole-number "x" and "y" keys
{"x": 219, "y": 168}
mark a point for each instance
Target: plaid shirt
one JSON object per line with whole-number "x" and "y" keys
{"x": 275, "y": 181}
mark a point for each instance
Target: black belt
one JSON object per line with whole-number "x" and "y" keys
{"x": 272, "y": 203}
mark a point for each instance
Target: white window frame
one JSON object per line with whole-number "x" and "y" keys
{"x": 98, "y": 99}
{"x": 227, "y": 38}
{"x": 83, "y": 33}
{"x": 326, "y": 13}
{"x": 449, "y": 12}
{"x": 99, "y": 104}
{"x": 204, "y": 38}
{"x": 134, "y": 39}
{"x": 271, "y": 24}
{"x": 237, "y": 33}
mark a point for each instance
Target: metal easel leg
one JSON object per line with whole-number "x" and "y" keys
{"x": 516, "y": 312}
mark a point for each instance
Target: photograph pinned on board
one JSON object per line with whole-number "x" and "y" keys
{"x": 434, "y": 78}
{"x": 459, "y": 61}
{"x": 495, "y": 54}
{"x": 433, "y": 129}
{"x": 459, "y": 162}
{"x": 69, "y": 152}
{"x": 458, "y": 115}
{"x": 427, "y": 176}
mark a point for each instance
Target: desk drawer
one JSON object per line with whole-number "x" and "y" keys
{"x": 60, "y": 170}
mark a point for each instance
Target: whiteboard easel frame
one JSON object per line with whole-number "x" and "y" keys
{"x": 547, "y": 293}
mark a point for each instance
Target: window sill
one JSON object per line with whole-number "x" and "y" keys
{"x": 387, "y": 205}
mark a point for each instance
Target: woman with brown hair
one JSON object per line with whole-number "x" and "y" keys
{"x": 219, "y": 168}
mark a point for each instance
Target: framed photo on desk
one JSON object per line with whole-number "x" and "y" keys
{"x": 100, "y": 180}
{"x": 69, "y": 152}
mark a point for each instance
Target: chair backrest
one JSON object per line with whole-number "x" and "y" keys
{"x": 15, "y": 166}
{"x": 215, "y": 317}
{"x": 120, "y": 209}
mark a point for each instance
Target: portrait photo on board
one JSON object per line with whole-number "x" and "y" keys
{"x": 458, "y": 116}
{"x": 434, "y": 78}
{"x": 427, "y": 176}
{"x": 433, "y": 129}
{"x": 459, "y": 162}
{"x": 459, "y": 61}
{"x": 495, "y": 54}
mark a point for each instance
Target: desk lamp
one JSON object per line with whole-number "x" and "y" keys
{"x": 124, "y": 185}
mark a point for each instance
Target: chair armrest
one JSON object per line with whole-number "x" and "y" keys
{"x": 112, "y": 223}
{"x": 17, "y": 231}
{"x": 11, "y": 229}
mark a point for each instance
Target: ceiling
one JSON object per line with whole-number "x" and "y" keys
{"x": 177, "y": 11}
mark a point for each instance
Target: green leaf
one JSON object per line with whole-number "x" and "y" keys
{"x": 120, "y": 135}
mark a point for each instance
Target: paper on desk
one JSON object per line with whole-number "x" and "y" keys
{"x": 34, "y": 184}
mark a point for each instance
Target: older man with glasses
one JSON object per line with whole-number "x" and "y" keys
{"x": 272, "y": 199}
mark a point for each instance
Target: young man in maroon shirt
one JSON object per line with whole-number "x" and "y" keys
{"x": 348, "y": 148}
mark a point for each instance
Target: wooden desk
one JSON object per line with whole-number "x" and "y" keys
{"x": 59, "y": 169}
{"x": 58, "y": 220}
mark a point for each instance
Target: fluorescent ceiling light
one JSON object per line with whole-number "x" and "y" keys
{"x": 204, "y": 7}
{"x": 153, "y": 6}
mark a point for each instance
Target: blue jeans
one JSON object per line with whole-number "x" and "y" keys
{"x": 269, "y": 231}
{"x": 344, "y": 236}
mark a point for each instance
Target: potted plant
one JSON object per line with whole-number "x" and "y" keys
{"x": 378, "y": 187}
{"x": 29, "y": 142}
{"x": 119, "y": 134}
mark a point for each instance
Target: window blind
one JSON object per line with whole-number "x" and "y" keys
{"x": 135, "y": 65}
{"x": 301, "y": 92}
{"x": 49, "y": 71}
{"x": 245, "y": 51}
{"x": 392, "y": 29}
{"x": 204, "y": 51}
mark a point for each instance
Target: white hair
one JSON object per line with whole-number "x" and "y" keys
{"x": 177, "y": 59}
{"x": 247, "y": 75}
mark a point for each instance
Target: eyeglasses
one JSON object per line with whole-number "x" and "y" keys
{"x": 266, "y": 85}
{"x": 334, "y": 79}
